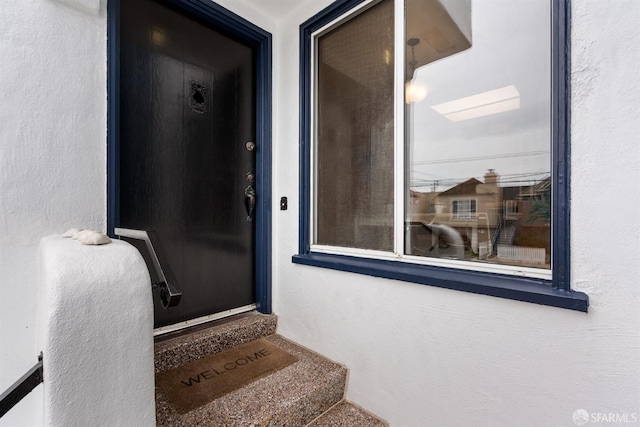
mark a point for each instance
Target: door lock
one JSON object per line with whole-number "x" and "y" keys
{"x": 250, "y": 146}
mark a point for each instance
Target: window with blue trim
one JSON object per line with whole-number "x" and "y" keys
{"x": 435, "y": 145}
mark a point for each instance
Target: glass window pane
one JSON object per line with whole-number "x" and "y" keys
{"x": 354, "y": 132}
{"x": 478, "y": 114}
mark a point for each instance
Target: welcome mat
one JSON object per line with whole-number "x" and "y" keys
{"x": 200, "y": 382}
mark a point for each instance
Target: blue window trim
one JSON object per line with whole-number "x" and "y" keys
{"x": 261, "y": 41}
{"x": 555, "y": 292}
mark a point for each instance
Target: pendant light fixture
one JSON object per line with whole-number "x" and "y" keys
{"x": 414, "y": 91}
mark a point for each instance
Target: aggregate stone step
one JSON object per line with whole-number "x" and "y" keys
{"x": 293, "y": 396}
{"x": 177, "y": 350}
{"x": 346, "y": 414}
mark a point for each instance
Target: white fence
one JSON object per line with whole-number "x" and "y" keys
{"x": 521, "y": 253}
{"x": 484, "y": 250}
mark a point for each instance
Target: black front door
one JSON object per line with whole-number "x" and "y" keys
{"x": 186, "y": 153}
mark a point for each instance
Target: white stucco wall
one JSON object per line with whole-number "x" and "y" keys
{"x": 422, "y": 356}
{"x": 95, "y": 328}
{"x": 52, "y": 159}
{"x": 417, "y": 355}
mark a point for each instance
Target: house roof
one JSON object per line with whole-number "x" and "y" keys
{"x": 538, "y": 189}
{"x": 463, "y": 189}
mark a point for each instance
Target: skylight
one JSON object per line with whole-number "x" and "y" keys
{"x": 482, "y": 104}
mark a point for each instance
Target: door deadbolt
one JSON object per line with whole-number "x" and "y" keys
{"x": 250, "y": 146}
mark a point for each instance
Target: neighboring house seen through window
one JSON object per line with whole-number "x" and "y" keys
{"x": 434, "y": 145}
{"x": 464, "y": 210}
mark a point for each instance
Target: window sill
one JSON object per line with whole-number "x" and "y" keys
{"x": 537, "y": 291}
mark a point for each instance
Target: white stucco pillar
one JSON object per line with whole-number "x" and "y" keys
{"x": 96, "y": 333}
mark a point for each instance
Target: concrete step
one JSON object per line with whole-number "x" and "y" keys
{"x": 293, "y": 396}
{"x": 506, "y": 235}
{"x": 177, "y": 349}
{"x": 346, "y": 414}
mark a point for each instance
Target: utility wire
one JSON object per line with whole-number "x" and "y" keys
{"x": 476, "y": 158}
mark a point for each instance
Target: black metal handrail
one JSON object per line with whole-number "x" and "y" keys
{"x": 148, "y": 244}
{"x": 22, "y": 387}
{"x": 496, "y": 234}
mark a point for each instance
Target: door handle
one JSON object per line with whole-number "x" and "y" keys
{"x": 249, "y": 202}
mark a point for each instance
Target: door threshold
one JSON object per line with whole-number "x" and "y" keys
{"x": 201, "y": 320}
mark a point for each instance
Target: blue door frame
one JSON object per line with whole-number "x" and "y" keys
{"x": 260, "y": 40}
